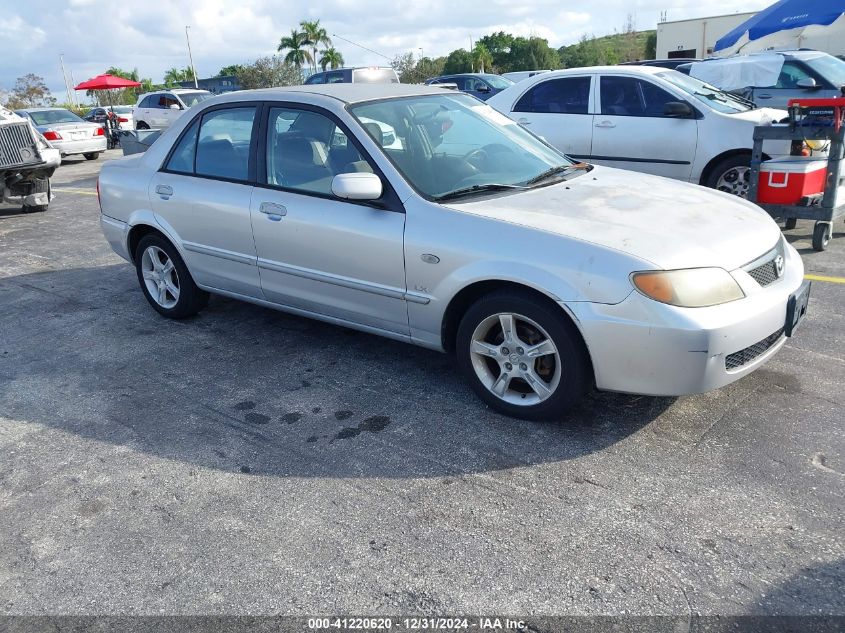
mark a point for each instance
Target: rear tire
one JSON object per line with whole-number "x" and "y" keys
{"x": 790, "y": 224}
{"x": 523, "y": 356}
{"x": 92, "y": 155}
{"x": 165, "y": 280}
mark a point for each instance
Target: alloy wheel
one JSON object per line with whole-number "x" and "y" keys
{"x": 160, "y": 277}
{"x": 515, "y": 359}
{"x": 735, "y": 181}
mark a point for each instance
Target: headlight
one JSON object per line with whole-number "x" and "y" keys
{"x": 689, "y": 288}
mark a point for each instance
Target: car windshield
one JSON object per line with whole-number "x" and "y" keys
{"x": 498, "y": 82}
{"x": 830, "y": 67}
{"x": 121, "y": 109}
{"x": 444, "y": 144}
{"x": 193, "y": 98}
{"x": 48, "y": 117}
{"x": 704, "y": 92}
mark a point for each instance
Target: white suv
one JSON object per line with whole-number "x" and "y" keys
{"x": 160, "y": 109}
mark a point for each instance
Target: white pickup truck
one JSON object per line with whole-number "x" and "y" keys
{"x": 26, "y": 163}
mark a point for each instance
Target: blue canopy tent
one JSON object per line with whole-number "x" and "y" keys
{"x": 784, "y": 24}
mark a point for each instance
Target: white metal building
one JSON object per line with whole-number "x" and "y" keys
{"x": 695, "y": 37}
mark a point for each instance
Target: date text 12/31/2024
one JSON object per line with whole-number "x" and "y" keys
{"x": 417, "y": 624}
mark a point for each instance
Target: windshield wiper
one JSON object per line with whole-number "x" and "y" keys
{"x": 554, "y": 171}
{"x": 465, "y": 191}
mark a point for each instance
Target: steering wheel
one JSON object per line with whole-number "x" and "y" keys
{"x": 478, "y": 154}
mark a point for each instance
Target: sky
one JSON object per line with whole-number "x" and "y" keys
{"x": 149, "y": 35}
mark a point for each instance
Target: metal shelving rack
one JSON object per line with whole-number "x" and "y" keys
{"x": 824, "y": 208}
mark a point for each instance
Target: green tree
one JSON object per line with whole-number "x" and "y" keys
{"x": 296, "y": 44}
{"x": 269, "y": 72}
{"x": 30, "y": 91}
{"x": 499, "y": 44}
{"x": 481, "y": 58}
{"x": 651, "y": 45}
{"x": 532, "y": 53}
{"x": 458, "y": 61}
{"x": 331, "y": 58}
{"x": 173, "y": 76}
{"x": 232, "y": 69}
{"x": 316, "y": 36}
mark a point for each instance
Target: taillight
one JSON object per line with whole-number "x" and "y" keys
{"x": 99, "y": 132}
{"x": 50, "y": 135}
{"x": 122, "y": 120}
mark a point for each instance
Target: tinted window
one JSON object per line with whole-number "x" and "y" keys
{"x": 224, "y": 141}
{"x": 791, "y": 74}
{"x": 165, "y": 101}
{"x": 570, "y": 95}
{"x": 319, "y": 78}
{"x": 334, "y": 77}
{"x": 625, "y": 96}
{"x": 182, "y": 158}
{"x": 305, "y": 150}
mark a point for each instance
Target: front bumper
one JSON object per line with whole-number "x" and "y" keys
{"x": 645, "y": 347}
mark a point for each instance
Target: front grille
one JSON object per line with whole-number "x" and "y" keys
{"x": 764, "y": 274}
{"x": 15, "y": 137}
{"x": 745, "y": 356}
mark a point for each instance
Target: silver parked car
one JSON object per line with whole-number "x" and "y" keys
{"x": 67, "y": 132}
{"x": 465, "y": 234}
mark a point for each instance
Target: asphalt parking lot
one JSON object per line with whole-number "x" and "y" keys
{"x": 247, "y": 461}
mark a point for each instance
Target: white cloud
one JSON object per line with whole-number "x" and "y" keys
{"x": 150, "y": 35}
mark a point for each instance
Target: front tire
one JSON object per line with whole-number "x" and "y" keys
{"x": 822, "y": 233}
{"x": 92, "y": 155}
{"x": 523, "y": 356}
{"x": 142, "y": 126}
{"x": 731, "y": 175}
{"x": 165, "y": 280}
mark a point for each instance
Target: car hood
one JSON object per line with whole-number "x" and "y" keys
{"x": 761, "y": 116}
{"x": 668, "y": 223}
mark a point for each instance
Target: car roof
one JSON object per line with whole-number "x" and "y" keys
{"x": 39, "y": 109}
{"x": 347, "y": 93}
{"x": 618, "y": 69}
{"x": 804, "y": 53}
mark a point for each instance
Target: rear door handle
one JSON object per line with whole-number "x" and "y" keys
{"x": 524, "y": 121}
{"x": 765, "y": 95}
{"x": 606, "y": 124}
{"x": 164, "y": 190}
{"x": 273, "y": 211}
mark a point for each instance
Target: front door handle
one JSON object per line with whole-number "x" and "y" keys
{"x": 606, "y": 124}
{"x": 272, "y": 210}
{"x": 765, "y": 95}
{"x": 524, "y": 121}
{"x": 164, "y": 190}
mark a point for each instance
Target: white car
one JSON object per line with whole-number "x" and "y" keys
{"x": 521, "y": 75}
{"x": 67, "y": 132}
{"x": 467, "y": 234}
{"x": 646, "y": 119}
{"x": 156, "y": 110}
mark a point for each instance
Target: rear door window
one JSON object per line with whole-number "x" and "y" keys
{"x": 224, "y": 143}
{"x": 567, "y": 95}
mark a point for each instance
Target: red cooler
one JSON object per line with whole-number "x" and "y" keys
{"x": 787, "y": 179}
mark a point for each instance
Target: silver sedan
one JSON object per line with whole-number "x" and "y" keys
{"x": 67, "y": 132}
{"x": 463, "y": 233}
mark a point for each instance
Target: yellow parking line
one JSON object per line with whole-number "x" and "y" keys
{"x": 83, "y": 192}
{"x": 832, "y": 280}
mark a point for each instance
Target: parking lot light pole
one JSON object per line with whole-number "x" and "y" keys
{"x": 191, "y": 57}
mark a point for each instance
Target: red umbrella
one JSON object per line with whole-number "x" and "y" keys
{"x": 107, "y": 82}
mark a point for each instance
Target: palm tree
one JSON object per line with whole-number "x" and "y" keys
{"x": 481, "y": 58}
{"x": 295, "y": 45}
{"x": 316, "y": 36}
{"x": 331, "y": 57}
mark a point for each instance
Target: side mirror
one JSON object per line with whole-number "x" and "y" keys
{"x": 174, "y": 106}
{"x": 807, "y": 83}
{"x": 357, "y": 186}
{"x": 678, "y": 110}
